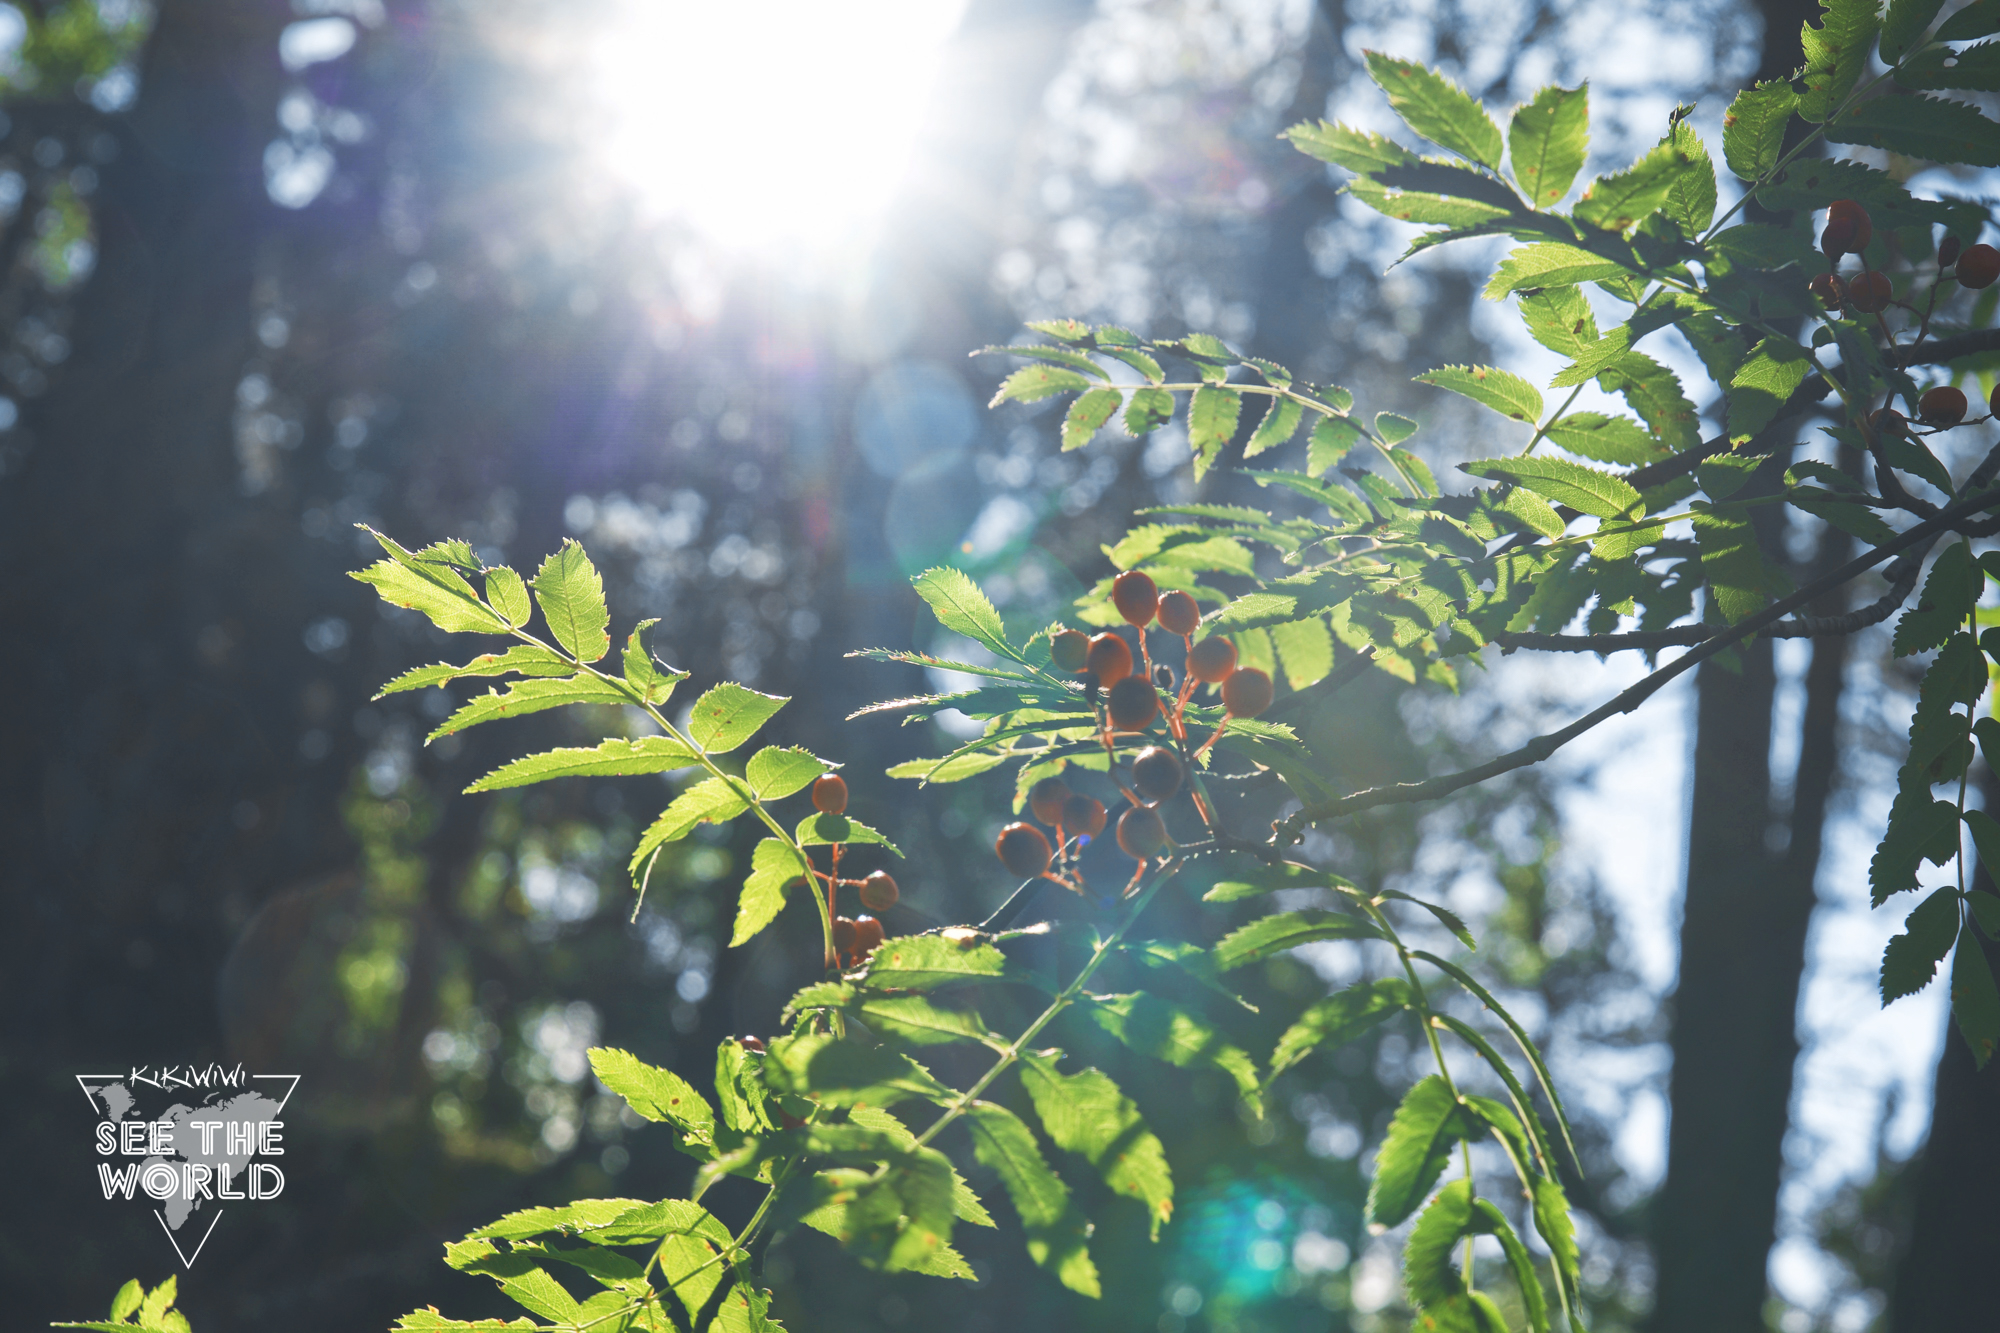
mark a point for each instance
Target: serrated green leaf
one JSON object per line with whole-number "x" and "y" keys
{"x": 925, "y": 962}
{"x": 1836, "y": 53}
{"x": 1974, "y": 69}
{"x": 657, "y": 1094}
{"x": 1212, "y": 416}
{"x": 1332, "y": 439}
{"x": 640, "y": 671}
{"x": 825, "y": 830}
{"x": 729, "y": 714}
{"x": 430, "y": 1321}
{"x": 1975, "y": 1002}
{"x": 1427, "y": 1125}
{"x": 1056, "y": 1231}
{"x": 1764, "y": 384}
{"x": 1931, "y": 128}
{"x": 1339, "y": 1019}
{"x": 127, "y": 1301}
{"x": 1058, "y": 356}
{"x": 568, "y": 1220}
{"x": 1394, "y": 429}
{"x": 710, "y": 801}
{"x": 1033, "y": 383}
{"x": 519, "y": 660}
{"x": 962, "y": 608}
{"x": 1067, "y": 330}
{"x": 1584, "y": 489}
{"x": 1437, "y": 108}
{"x": 1305, "y": 649}
{"x": 1753, "y": 129}
{"x": 522, "y": 1280}
{"x": 1732, "y": 564}
{"x": 508, "y": 595}
{"x": 1274, "y": 934}
{"x": 612, "y": 758}
{"x": 1153, "y": 1026}
{"x": 440, "y": 594}
{"x": 1690, "y": 200}
{"x": 1617, "y": 202}
{"x": 774, "y": 773}
{"x": 1655, "y": 396}
{"x": 1904, "y": 23}
{"x": 1502, "y": 390}
{"x": 571, "y": 595}
{"x": 1606, "y": 439}
{"x": 774, "y": 867}
{"x": 1447, "y": 918}
{"x": 1087, "y": 414}
{"x": 1279, "y": 424}
{"x": 956, "y": 769}
{"x": 1547, "y": 141}
{"x": 835, "y": 1071}
{"x": 1550, "y": 264}
{"x": 1911, "y": 958}
{"x": 1424, "y": 207}
{"x": 1148, "y": 410}
{"x": 1085, "y": 1113}
{"x": 1951, "y": 590}
{"x": 523, "y": 697}
{"x": 1560, "y": 319}
{"x": 917, "y": 1019}
{"x": 1357, "y": 150}
{"x": 1981, "y": 18}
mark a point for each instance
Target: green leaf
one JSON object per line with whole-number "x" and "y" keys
{"x": 1032, "y": 383}
{"x": 1764, "y": 384}
{"x": 1985, "y": 910}
{"x": 1584, "y": 489}
{"x": 837, "y": 1072}
{"x": 1911, "y": 959}
{"x": 572, "y": 600}
{"x": 1502, "y": 390}
{"x": 1287, "y": 930}
{"x": 521, "y": 659}
{"x": 1447, "y": 918}
{"x": 1066, "y": 330}
{"x": 153, "y": 1309}
{"x": 1394, "y": 429}
{"x": 1059, "y": 356}
{"x": 962, "y": 608}
{"x": 1280, "y": 423}
{"x": 1978, "y": 19}
{"x": 1606, "y": 439}
{"x": 1086, "y": 1114}
{"x": 1654, "y": 394}
{"x": 1423, "y": 207}
{"x": 1552, "y": 1223}
{"x": 1560, "y": 319}
{"x": 824, "y": 830}
{"x": 613, "y": 758}
{"x": 1148, "y": 410}
{"x": 1056, "y": 1231}
{"x": 640, "y": 672}
{"x": 567, "y": 1220}
{"x": 1550, "y": 264}
{"x": 657, "y": 1094}
{"x": 430, "y": 1321}
{"x": 1931, "y": 128}
{"x": 925, "y": 962}
{"x": 126, "y": 1302}
{"x": 1690, "y": 200}
{"x": 1339, "y": 1019}
{"x": 964, "y": 1202}
{"x": 1087, "y": 414}
{"x": 1189, "y": 961}
{"x": 1357, "y": 150}
{"x": 1904, "y": 24}
{"x": 1836, "y": 53}
{"x": 1426, "y": 1127}
{"x": 1731, "y": 563}
{"x": 1153, "y": 1026}
{"x": 1212, "y": 418}
{"x": 710, "y": 801}
{"x": 774, "y": 867}
{"x": 1753, "y": 129}
{"x": 1618, "y": 202}
{"x": 916, "y": 1019}
{"x": 1306, "y": 650}
{"x": 1332, "y": 438}
{"x": 1438, "y": 109}
{"x": 1547, "y": 142}
{"x": 774, "y": 773}
{"x": 956, "y": 769}
{"x": 1975, "y": 1003}
{"x": 438, "y": 591}
{"x": 529, "y": 696}
{"x": 728, "y": 715}
{"x": 1951, "y": 591}
{"x": 1974, "y": 69}
{"x": 1914, "y": 457}
{"x": 508, "y": 595}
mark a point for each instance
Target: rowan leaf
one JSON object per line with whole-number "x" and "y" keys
{"x": 710, "y": 801}
{"x": 1763, "y": 385}
{"x": 657, "y": 1094}
{"x": 1427, "y": 1125}
{"x": 1087, "y": 1114}
{"x": 1437, "y": 108}
{"x": 1604, "y": 439}
{"x": 1339, "y": 1019}
{"x": 523, "y": 697}
{"x": 774, "y": 868}
{"x": 1550, "y": 264}
{"x": 1357, "y": 150}
{"x": 1931, "y": 128}
{"x": 571, "y": 595}
{"x": 1033, "y": 383}
{"x": 612, "y": 758}
{"x": 1836, "y": 53}
{"x": 1911, "y": 958}
{"x": 774, "y": 772}
{"x": 522, "y": 660}
{"x": 925, "y": 962}
{"x": 1753, "y": 129}
{"x": 1502, "y": 390}
{"x": 1153, "y": 1026}
{"x": 1274, "y": 934}
{"x": 1279, "y": 424}
{"x": 1975, "y": 1003}
{"x": 962, "y": 608}
{"x": 1148, "y": 410}
{"x": 1057, "y": 1232}
{"x": 1087, "y": 415}
{"x": 1547, "y": 142}
{"x": 1584, "y": 489}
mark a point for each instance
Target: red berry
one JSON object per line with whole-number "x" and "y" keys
{"x": 1023, "y": 849}
{"x": 1978, "y": 266}
{"x": 1141, "y": 832}
{"x": 879, "y": 891}
{"x": 1083, "y": 814}
{"x": 1855, "y": 216}
{"x": 1178, "y": 613}
{"x": 1136, "y": 596}
{"x": 1889, "y": 424}
{"x": 868, "y": 935}
{"x": 1247, "y": 692}
{"x": 1134, "y": 703}
{"x": 1046, "y": 799}
{"x": 752, "y": 1044}
{"x": 1993, "y": 403}
{"x": 1837, "y": 239}
{"x": 1948, "y": 251}
{"x": 1212, "y": 659}
{"x": 1942, "y": 406}
{"x": 1870, "y": 292}
{"x": 843, "y": 934}
{"x": 1831, "y": 291}
{"x": 1068, "y": 650}
{"x": 1156, "y": 772}
{"x": 1109, "y": 660}
{"x": 829, "y": 794}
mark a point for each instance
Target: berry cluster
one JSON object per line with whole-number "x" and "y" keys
{"x": 854, "y": 938}
{"x": 1128, "y": 701}
{"x": 1848, "y": 231}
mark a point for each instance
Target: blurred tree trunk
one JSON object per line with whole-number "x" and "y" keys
{"x": 1943, "y": 1281}
{"x": 1748, "y": 904}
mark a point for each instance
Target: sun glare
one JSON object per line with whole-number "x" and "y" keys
{"x": 766, "y": 122}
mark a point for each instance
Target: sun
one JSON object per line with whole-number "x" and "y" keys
{"x": 768, "y": 123}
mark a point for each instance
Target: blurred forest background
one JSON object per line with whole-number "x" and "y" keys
{"x": 695, "y": 285}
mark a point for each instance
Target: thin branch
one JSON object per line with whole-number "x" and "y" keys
{"x": 1289, "y": 830}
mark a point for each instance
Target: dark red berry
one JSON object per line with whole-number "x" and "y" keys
{"x": 829, "y": 794}
{"x": 1110, "y": 660}
{"x": 1212, "y": 659}
{"x": 752, "y": 1044}
{"x": 1855, "y": 216}
{"x": 1837, "y": 239}
{"x": 1023, "y": 849}
{"x": 1083, "y": 814}
{"x": 1948, "y": 251}
{"x": 1133, "y": 704}
{"x": 868, "y": 935}
{"x": 1136, "y": 596}
{"x": 1942, "y": 406}
{"x": 1993, "y": 403}
{"x": 1978, "y": 266}
{"x": 1068, "y": 649}
{"x": 1870, "y": 292}
{"x": 1141, "y": 832}
{"x": 1831, "y": 291}
{"x": 1046, "y": 799}
{"x": 1889, "y": 424}
{"x": 879, "y": 892}
{"x": 1178, "y": 613}
{"x": 1157, "y": 772}
{"x": 843, "y": 934}
{"x": 1247, "y": 692}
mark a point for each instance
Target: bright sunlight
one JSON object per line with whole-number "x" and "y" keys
{"x": 762, "y": 122}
